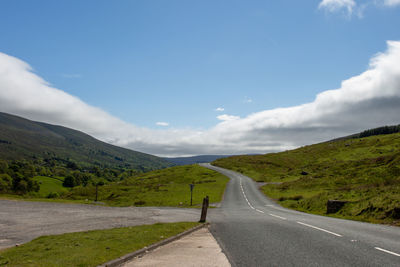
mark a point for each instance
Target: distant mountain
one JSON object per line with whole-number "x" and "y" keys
{"x": 195, "y": 159}
{"x": 22, "y": 139}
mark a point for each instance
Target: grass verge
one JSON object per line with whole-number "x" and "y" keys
{"x": 167, "y": 187}
{"x": 89, "y": 248}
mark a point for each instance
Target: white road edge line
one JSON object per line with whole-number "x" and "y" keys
{"x": 387, "y": 251}
{"x": 329, "y": 232}
{"x": 283, "y": 218}
{"x": 260, "y": 211}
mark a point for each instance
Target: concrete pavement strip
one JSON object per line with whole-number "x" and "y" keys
{"x": 194, "y": 247}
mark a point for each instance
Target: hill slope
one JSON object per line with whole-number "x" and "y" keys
{"x": 22, "y": 139}
{"x": 194, "y": 159}
{"x": 363, "y": 171}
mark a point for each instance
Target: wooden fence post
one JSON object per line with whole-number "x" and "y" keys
{"x": 204, "y": 209}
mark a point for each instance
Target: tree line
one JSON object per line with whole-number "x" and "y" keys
{"x": 16, "y": 177}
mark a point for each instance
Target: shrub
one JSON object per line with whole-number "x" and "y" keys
{"x": 69, "y": 181}
{"x": 53, "y": 195}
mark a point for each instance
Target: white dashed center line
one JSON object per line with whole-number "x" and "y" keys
{"x": 276, "y": 216}
{"x": 315, "y": 227}
{"x": 245, "y": 197}
{"x": 387, "y": 251}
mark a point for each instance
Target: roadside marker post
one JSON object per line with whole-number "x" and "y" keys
{"x": 191, "y": 193}
{"x": 204, "y": 210}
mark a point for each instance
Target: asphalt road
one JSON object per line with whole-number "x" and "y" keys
{"x": 22, "y": 221}
{"x": 252, "y": 230}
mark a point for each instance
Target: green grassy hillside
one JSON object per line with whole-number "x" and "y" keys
{"x": 22, "y": 139}
{"x": 49, "y": 186}
{"x": 363, "y": 171}
{"x": 167, "y": 187}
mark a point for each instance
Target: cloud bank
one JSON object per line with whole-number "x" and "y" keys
{"x": 368, "y": 100}
{"x": 352, "y": 7}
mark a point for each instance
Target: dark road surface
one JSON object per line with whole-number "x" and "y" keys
{"x": 254, "y": 231}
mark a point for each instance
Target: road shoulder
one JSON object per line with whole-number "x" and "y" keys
{"x": 198, "y": 248}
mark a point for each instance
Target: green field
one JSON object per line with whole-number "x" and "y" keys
{"x": 88, "y": 248}
{"x": 49, "y": 186}
{"x": 167, "y": 187}
{"x": 363, "y": 171}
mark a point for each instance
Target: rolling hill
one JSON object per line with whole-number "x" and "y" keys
{"x": 22, "y": 139}
{"x": 364, "y": 173}
{"x": 194, "y": 159}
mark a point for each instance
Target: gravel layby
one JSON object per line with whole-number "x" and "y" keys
{"x": 22, "y": 221}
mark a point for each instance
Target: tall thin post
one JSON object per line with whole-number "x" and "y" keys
{"x": 191, "y": 193}
{"x": 96, "y": 191}
{"x": 204, "y": 209}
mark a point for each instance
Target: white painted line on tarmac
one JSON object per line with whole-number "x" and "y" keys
{"x": 260, "y": 211}
{"x": 283, "y": 218}
{"x": 387, "y": 251}
{"x": 329, "y": 232}
{"x": 245, "y": 197}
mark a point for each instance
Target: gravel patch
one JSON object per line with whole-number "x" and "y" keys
{"x": 22, "y": 221}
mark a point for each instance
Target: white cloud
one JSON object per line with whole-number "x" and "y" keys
{"x": 351, "y": 7}
{"x": 337, "y": 5}
{"x": 247, "y": 99}
{"x": 391, "y": 2}
{"x": 219, "y": 109}
{"x": 162, "y": 123}
{"x": 226, "y": 117}
{"x": 368, "y": 100}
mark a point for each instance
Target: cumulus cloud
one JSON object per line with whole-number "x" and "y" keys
{"x": 368, "y": 100}
{"x": 336, "y": 5}
{"x": 226, "y": 117}
{"x": 162, "y": 123}
{"x": 219, "y": 109}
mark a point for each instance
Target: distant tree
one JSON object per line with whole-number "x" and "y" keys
{"x": 3, "y": 166}
{"x": 72, "y": 165}
{"x": 69, "y": 181}
{"x": 22, "y": 187}
{"x": 5, "y": 183}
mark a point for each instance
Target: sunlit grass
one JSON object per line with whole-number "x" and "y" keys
{"x": 89, "y": 248}
{"x": 365, "y": 172}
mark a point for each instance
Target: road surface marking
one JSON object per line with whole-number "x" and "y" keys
{"x": 283, "y": 218}
{"x": 387, "y": 251}
{"x": 260, "y": 211}
{"x": 245, "y": 197}
{"x": 329, "y": 232}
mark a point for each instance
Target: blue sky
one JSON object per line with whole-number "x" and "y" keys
{"x": 151, "y": 61}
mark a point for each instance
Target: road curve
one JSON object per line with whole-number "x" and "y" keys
{"x": 254, "y": 231}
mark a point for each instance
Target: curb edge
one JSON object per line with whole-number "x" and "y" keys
{"x": 119, "y": 261}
